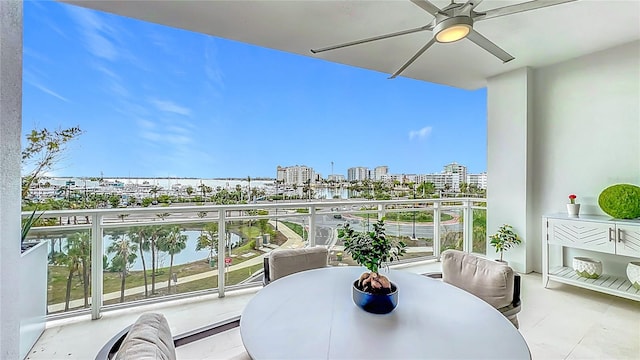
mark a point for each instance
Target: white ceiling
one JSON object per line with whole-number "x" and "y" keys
{"x": 535, "y": 38}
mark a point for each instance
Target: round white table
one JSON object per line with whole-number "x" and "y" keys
{"x": 310, "y": 315}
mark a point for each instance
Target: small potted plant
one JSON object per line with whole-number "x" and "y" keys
{"x": 573, "y": 209}
{"x": 373, "y": 292}
{"x": 504, "y": 240}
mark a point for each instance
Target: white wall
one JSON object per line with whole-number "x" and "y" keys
{"x": 10, "y": 129}
{"x": 586, "y": 130}
{"x": 582, "y": 134}
{"x": 508, "y": 99}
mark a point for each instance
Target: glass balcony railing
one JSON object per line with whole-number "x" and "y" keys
{"x": 102, "y": 259}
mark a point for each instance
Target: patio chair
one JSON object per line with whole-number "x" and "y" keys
{"x": 283, "y": 262}
{"x": 150, "y": 338}
{"x": 491, "y": 281}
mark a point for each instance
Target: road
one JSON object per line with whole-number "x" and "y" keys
{"x": 326, "y": 225}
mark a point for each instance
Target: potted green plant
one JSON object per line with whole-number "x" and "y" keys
{"x": 374, "y": 250}
{"x": 26, "y": 226}
{"x": 504, "y": 239}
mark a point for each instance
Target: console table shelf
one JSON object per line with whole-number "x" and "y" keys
{"x": 600, "y": 234}
{"x": 615, "y": 285}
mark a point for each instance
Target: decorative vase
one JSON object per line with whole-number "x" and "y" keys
{"x": 573, "y": 209}
{"x": 375, "y": 303}
{"x": 633, "y": 273}
{"x": 587, "y": 268}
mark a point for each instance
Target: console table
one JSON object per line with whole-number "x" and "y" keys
{"x": 310, "y": 315}
{"x": 589, "y": 232}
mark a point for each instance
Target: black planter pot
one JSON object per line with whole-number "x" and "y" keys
{"x": 375, "y": 303}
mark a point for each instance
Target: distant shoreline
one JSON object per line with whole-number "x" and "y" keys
{"x": 162, "y": 177}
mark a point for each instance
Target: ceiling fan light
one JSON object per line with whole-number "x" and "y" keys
{"x": 453, "y": 33}
{"x": 453, "y": 29}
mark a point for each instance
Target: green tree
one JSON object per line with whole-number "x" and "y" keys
{"x": 140, "y": 236}
{"x": 114, "y": 201}
{"x": 154, "y": 190}
{"x": 190, "y": 190}
{"x": 173, "y": 243}
{"x": 124, "y": 251}
{"x": 208, "y": 238}
{"x": 156, "y": 234}
{"x": 44, "y": 148}
{"x": 427, "y": 188}
{"x": 80, "y": 245}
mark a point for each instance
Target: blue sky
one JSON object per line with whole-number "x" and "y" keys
{"x": 154, "y": 101}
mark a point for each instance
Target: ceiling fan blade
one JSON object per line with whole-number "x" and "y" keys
{"x": 375, "y": 38}
{"x": 513, "y": 9}
{"x": 416, "y": 56}
{"x": 427, "y": 6}
{"x": 486, "y": 44}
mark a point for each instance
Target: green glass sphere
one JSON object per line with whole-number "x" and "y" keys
{"x": 621, "y": 201}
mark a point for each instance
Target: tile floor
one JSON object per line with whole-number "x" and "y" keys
{"x": 561, "y": 322}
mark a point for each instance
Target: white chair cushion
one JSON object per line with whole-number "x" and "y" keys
{"x": 148, "y": 339}
{"x": 487, "y": 279}
{"x": 283, "y": 262}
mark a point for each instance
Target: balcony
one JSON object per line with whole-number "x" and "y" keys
{"x": 561, "y": 322}
{"x": 170, "y": 252}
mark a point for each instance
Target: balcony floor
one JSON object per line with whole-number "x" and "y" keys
{"x": 562, "y": 322}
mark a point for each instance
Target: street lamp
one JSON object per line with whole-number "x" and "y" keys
{"x": 414, "y": 213}
{"x": 276, "y": 200}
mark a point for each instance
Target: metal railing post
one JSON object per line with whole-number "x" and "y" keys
{"x": 96, "y": 265}
{"x": 381, "y": 211}
{"x": 466, "y": 226}
{"x": 222, "y": 238}
{"x": 436, "y": 230}
{"x": 312, "y": 226}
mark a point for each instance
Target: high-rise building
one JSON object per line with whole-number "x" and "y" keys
{"x": 455, "y": 168}
{"x": 479, "y": 180}
{"x": 336, "y": 177}
{"x": 380, "y": 171}
{"x": 298, "y": 174}
{"x": 357, "y": 173}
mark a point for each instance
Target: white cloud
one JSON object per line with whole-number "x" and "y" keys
{"x": 420, "y": 134}
{"x": 211, "y": 68}
{"x": 96, "y": 33}
{"x": 48, "y": 91}
{"x": 169, "y": 106}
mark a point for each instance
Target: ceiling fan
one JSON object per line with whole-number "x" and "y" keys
{"x": 453, "y": 23}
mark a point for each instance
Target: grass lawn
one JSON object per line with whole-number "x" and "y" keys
{"x": 57, "y": 276}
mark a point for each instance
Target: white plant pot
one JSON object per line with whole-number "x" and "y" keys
{"x": 573, "y": 210}
{"x": 33, "y": 295}
{"x": 587, "y": 268}
{"x": 633, "y": 273}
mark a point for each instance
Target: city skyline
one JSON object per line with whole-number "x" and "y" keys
{"x": 171, "y": 103}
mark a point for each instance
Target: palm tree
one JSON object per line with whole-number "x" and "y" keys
{"x": 125, "y": 255}
{"x": 79, "y": 244}
{"x": 140, "y": 236}
{"x": 208, "y": 238}
{"x": 464, "y": 187}
{"x": 72, "y": 260}
{"x": 156, "y": 233}
{"x": 249, "y": 189}
{"x": 173, "y": 243}
{"x": 154, "y": 190}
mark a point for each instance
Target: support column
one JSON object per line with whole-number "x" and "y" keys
{"x": 10, "y": 130}
{"x": 509, "y": 106}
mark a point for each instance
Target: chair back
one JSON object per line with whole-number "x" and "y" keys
{"x": 283, "y": 262}
{"x": 489, "y": 280}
